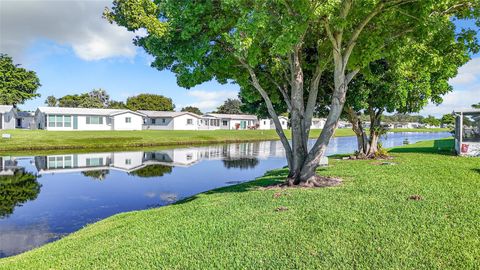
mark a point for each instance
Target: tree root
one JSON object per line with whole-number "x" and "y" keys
{"x": 316, "y": 181}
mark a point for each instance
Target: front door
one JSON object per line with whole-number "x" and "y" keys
{"x": 75, "y": 122}
{"x": 243, "y": 124}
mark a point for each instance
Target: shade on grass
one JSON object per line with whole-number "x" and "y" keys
{"x": 368, "y": 222}
{"x": 46, "y": 140}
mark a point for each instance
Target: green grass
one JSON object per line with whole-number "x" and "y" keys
{"x": 25, "y": 140}
{"x": 366, "y": 223}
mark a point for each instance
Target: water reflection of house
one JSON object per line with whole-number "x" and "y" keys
{"x": 8, "y": 166}
{"x": 131, "y": 161}
{"x": 122, "y": 161}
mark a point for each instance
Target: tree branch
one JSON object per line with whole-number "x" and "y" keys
{"x": 271, "y": 110}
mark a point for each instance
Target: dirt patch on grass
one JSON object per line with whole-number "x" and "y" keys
{"x": 314, "y": 182}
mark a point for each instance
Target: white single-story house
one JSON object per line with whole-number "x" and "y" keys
{"x": 467, "y": 136}
{"x": 161, "y": 120}
{"x": 25, "y": 120}
{"x": 65, "y": 119}
{"x": 228, "y": 121}
{"x": 318, "y": 123}
{"x": 268, "y": 123}
{"x": 8, "y": 114}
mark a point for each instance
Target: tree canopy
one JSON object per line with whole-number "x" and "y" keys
{"x": 16, "y": 83}
{"x": 150, "y": 102}
{"x": 191, "y": 109}
{"x": 448, "y": 119}
{"x": 230, "y": 106}
{"x": 282, "y": 48}
{"x": 432, "y": 121}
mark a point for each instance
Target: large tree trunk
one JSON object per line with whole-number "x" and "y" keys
{"x": 367, "y": 143}
{"x": 363, "y": 145}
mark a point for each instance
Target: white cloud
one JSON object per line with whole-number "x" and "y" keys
{"x": 467, "y": 74}
{"x": 74, "y": 23}
{"x": 209, "y": 100}
{"x": 466, "y": 91}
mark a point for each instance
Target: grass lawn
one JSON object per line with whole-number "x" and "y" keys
{"x": 50, "y": 140}
{"x": 368, "y": 222}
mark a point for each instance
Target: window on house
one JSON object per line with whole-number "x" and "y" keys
{"x": 91, "y": 162}
{"x": 128, "y": 161}
{"x": 94, "y": 120}
{"x": 59, "y": 120}
{"x": 189, "y": 121}
{"x": 163, "y": 120}
{"x": 51, "y": 120}
{"x": 67, "y": 121}
{"x": 225, "y": 123}
{"x": 128, "y": 120}
{"x": 153, "y": 121}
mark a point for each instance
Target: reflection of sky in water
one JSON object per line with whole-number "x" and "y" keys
{"x": 72, "y": 196}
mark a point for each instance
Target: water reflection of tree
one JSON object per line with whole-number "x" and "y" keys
{"x": 152, "y": 171}
{"x": 240, "y": 163}
{"x": 17, "y": 189}
{"x": 97, "y": 174}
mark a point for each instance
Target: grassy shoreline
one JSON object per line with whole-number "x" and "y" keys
{"x": 30, "y": 140}
{"x": 368, "y": 222}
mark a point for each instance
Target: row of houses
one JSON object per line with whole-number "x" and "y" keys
{"x": 65, "y": 119}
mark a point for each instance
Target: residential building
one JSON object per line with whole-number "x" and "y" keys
{"x": 228, "y": 121}
{"x": 25, "y": 120}
{"x": 268, "y": 123}
{"x": 467, "y": 135}
{"x": 8, "y": 115}
{"x": 161, "y": 120}
{"x": 317, "y": 123}
{"x": 65, "y": 119}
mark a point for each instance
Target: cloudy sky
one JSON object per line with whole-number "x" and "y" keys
{"x": 74, "y": 50}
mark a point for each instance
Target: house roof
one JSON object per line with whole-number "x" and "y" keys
{"x": 85, "y": 111}
{"x": 5, "y": 108}
{"x": 167, "y": 114}
{"x": 25, "y": 114}
{"x": 468, "y": 111}
{"x": 233, "y": 116}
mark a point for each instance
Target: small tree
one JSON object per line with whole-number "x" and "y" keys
{"x": 448, "y": 120}
{"x": 51, "y": 101}
{"x": 16, "y": 84}
{"x": 431, "y": 121}
{"x": 192, "y": 109}
{"x": 150, "y": 102}
{"x": 230, "y": 106}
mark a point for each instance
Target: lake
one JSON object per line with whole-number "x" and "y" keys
{"x": 43, "y": 198}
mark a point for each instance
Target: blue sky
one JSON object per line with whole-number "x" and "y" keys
{"x": 73, "y": 50}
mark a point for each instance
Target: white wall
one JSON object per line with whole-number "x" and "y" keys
{"x": 265, "y": 124}
{"x": 8, "y": 120}
{"x": 180, "y": 122}
{"x": 159, "y": 125}
{"x": 127, "y": 160}
{"x": 27, "y": 122}
{"x": 119, "y": 121}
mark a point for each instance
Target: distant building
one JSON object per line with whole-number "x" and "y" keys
{"x": 318, "y": 123}
{"x": 66, "y": 119}
{"x": 8, "y": 115}
{"x": 267, "y": 123}
{"x": 228, "y": 121}
{"x": 161, "y": 120}
{"x": 25, "y": 120}
{"x": 467, "y": 136}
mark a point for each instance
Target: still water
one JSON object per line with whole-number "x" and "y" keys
{"x": 43, "y": 198}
